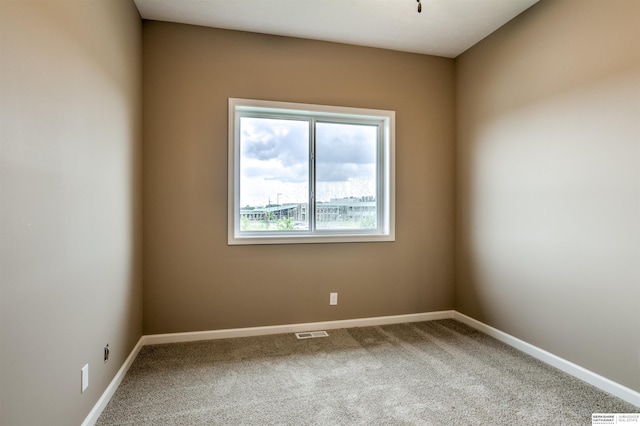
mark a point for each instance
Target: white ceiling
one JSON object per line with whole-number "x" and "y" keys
{"x": 444, "y": 28}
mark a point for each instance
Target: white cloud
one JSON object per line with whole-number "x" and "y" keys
{"x": 275, "y": 158}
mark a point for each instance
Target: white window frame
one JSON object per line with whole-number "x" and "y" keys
{"x": 385, "y": 196}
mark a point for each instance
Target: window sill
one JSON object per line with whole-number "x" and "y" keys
{"x": 306, "y": 239}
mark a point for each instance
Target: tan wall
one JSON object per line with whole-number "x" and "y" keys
{"x": 70, "y": 259}
{"x": 193, "y": 280}
{"x": 549, "y": 183}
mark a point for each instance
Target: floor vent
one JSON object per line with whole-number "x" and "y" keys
{"x": 311, "y": 334}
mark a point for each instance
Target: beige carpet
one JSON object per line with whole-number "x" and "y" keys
{"x": 428, "y": 373}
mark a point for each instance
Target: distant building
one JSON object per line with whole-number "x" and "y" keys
{"x": 345, "y": 209}
{"x": 341, "y": 209}
{"x": 274, "y": 212}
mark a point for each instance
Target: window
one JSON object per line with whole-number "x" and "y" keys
{"x": 309, "y": 173}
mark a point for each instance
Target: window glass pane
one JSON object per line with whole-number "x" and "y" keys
{"x": 274, "y": 174}
{"x": 346, "y": 157}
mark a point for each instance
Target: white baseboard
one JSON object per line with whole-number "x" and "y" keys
{"x": 575, "y": 370}
{"x": 562, "y": 364}
{"x": 97, "y": 409}
{"x": 155, "y": 339}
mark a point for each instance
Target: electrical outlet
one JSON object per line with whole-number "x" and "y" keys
{"x": 84, "y": 378}
{"x": 333, "y": 298}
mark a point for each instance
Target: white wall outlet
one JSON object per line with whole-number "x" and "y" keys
{"x": 84, "y": 378}
{"x": 333, "y": 298}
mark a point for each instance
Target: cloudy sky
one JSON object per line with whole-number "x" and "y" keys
{"x": 275, "y": 160}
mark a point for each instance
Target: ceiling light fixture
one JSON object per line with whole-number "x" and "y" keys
{"x": 419, "y": 6}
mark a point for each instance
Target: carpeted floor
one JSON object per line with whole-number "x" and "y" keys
{"x": 427, "y": 373}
